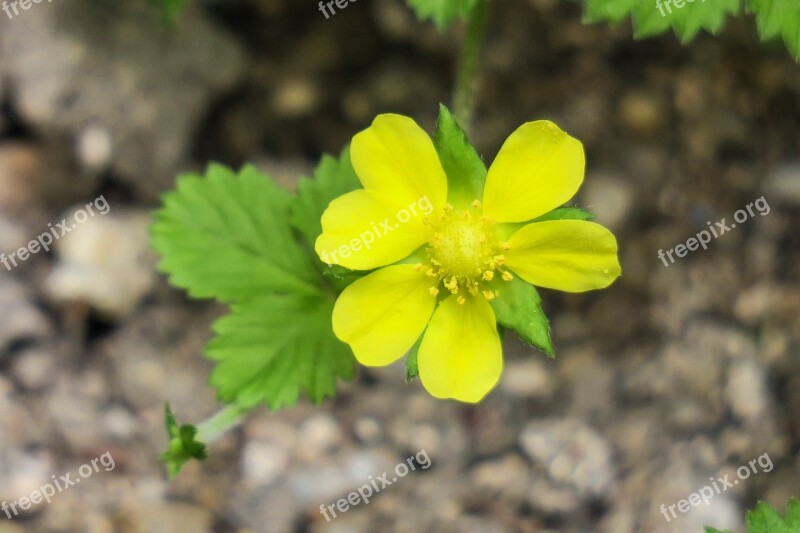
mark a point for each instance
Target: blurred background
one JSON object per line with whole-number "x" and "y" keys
{"x": 672, "y": 376}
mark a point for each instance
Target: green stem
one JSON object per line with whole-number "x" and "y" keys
{"x": 219, "y": 424}
{"x": 467, "y": 78}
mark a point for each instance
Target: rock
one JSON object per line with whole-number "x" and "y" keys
{"x": 22, "y": 320}
{"x": 318, "y": 437}
{"x": 163, "y": 518}
{"x": 34, "y": 369}
{"x": 105, "y": 262}
{"x": 107, "y": 80}
{"x": 295, "y": 98}
{"x": 642, "y": 112}
{"x": 22, "y": 176}
{"x": 609, "y": 198}
{"x": 263, "y": 463}
{"x": 746, "y": 390}
{"x": 507, "y": 478}
{"x": 782, "y": 186}
{"x": 530, "y": 378}
{"x": 572, "y": 454}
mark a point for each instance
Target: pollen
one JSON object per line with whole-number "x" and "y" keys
{"x": 507, "y": 276}
{"x": 433, "y": 291}
{"x": 461, "y": 300}
{"x": 463, "y": 253}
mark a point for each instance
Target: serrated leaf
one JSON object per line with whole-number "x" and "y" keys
{"x": 519, "y": 307}
{"x": 274, "y": 346}
{"x": 442, "y": 12}
{"x": 183, "y": 446}
{"x": 778, "y": 19}
{"x": 332, "y": 178}
{"x": 227, "y": 236}
{"x": 466, "y": 173}
{"x": 765, "y": 519}
{"x": 652, "y": 17}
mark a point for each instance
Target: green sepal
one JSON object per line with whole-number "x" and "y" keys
{"x": 466, "y": 173}
{"x": 518, "y": 306}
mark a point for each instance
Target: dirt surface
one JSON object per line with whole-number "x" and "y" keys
{"x": 673, "y": 378}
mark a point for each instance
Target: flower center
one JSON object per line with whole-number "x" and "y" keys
{"x": 463, "y": 253}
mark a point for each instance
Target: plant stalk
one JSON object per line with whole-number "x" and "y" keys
{"x": 467, "y": 77}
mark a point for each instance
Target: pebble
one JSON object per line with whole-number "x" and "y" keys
{"x": 105, "y": 262}
{"x": 572, "y": 453}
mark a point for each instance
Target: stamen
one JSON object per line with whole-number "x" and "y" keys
{"x": 431, "y": 273}
{"x": 418, "y": 267}
{"x": 507, "y": 276}
{"x": 476, "y": 204}
{"x": 488, "y": 275}
{"x": 433, "y": 291}
{"x": 461, "y": 300}
{"x": 505, "y": 246}
{"x": 499, "y": 259}
{"x": 489, "y": 295}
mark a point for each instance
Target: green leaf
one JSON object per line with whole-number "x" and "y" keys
{"x": 778, "y": 19}
{"x": 519, "y": 307}
{"x": 466, "y": 173}
{"x": 713, "y": 530}
{"x": 765, "y": 519}
{"x": 227, "y": 236}
{"x": 182, "y": 444}
{"x": 442, "y": 12}
{"x": 652, "y": 17}
{"x": 275, "y": 345}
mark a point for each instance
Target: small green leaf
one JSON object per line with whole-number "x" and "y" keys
{"x": 227, "y": 236}
{"x": 519, "y": 307}
{"x": 275, "y": 345}
{"x": 713, "y": 530}
{"x": 778, "y": 19}
{"x": 182, "y": 444}
{"x": 466, "y": 173}
{"x": 442, "y": 12}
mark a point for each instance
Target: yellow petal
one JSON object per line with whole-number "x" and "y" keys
{"x": 538, "y": 168}
{"x": 395, "y": 157}
{"x": 361, "y": 230}
{"x": 383, "y": 314}
{"x": 460, "y": 356}
{"x": 568, "y": 255}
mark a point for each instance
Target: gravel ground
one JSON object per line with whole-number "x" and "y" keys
{"x": 672, "y": 378}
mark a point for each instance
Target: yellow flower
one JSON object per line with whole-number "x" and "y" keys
{"x": 442, "y": 265}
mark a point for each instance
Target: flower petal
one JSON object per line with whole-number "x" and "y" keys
{"x": 361, "y": 230}
{"x": 538, "y": 168}
{"x": 568, "y": 255}
{"x": 460, "y": 356}
{"x": 395, "y": 157}
{"x": 383, "y": 314}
